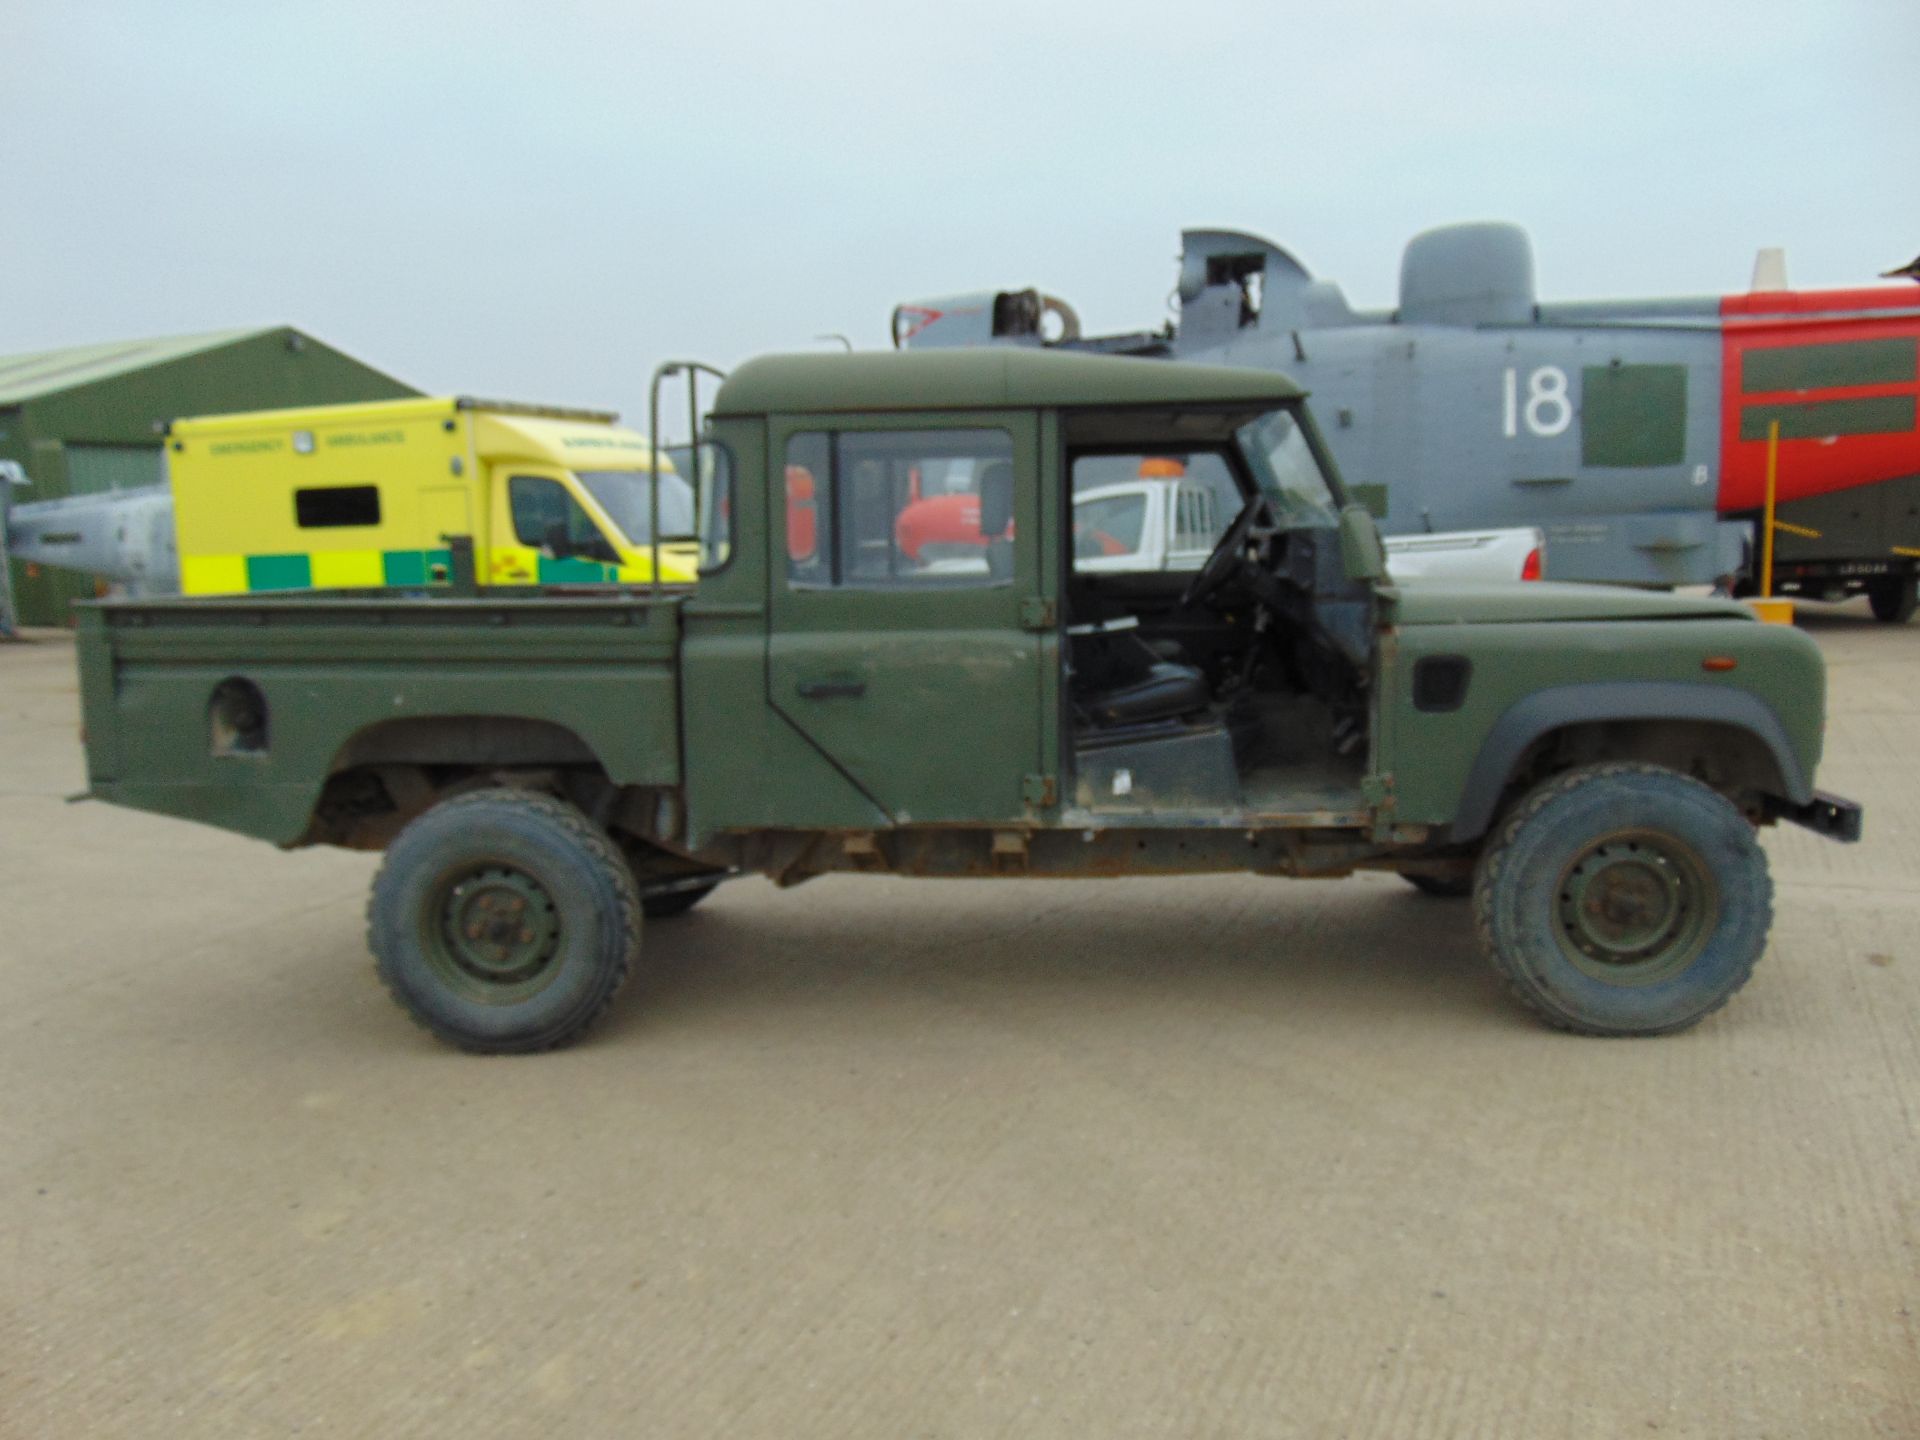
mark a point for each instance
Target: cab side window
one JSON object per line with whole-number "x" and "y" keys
{"x": 809, "y": 508}
{"x": 899, "y": 509}
{"x": 547, "y": 517}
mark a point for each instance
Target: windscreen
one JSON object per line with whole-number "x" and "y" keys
{"x": 1287, "y": 471}
{"x": 623, "y": 495}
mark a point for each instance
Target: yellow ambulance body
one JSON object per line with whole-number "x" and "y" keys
{"x": 379, "y": 495}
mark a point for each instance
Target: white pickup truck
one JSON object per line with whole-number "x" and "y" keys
{"x": 1172, "y": 523}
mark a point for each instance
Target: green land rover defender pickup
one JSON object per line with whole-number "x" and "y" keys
{"x": 547, "y": 771}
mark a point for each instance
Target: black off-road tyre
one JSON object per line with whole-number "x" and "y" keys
{"x": 1623, "y": 899}
{"x": 1441, "y": 887}
{"x": 504, "y": 921}
{"x": 1894, "y": 599}
{"x": 668, "y": 904}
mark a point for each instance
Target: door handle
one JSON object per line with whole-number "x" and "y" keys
{"x": 837, "y": 687}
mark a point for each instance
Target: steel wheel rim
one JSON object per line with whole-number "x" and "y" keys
{"x": 492, "y": 932}
{"x": 1635, "y": 908}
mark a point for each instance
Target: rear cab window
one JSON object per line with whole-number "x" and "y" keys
{"x": 905, "y": 509}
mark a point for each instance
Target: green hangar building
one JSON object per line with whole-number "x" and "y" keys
{"x": 88, "y": 419}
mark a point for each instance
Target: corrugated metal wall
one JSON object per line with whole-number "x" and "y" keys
{"x": 103, "y": 435}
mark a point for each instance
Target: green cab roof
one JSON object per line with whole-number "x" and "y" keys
{"x": 984, "y": 379}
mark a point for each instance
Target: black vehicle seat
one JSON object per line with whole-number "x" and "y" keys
{"x": 1166, "y": 692}
{"x": 1127, "y": 683}
{"x": 996, "y": 516}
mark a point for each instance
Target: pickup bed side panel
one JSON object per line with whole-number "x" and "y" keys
{"x": 1449, "y": 764}
{"x": 332, "y": 670}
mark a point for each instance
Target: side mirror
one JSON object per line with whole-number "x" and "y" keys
{"x": 1361, "y": 553}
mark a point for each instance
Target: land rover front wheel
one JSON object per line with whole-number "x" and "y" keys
{"x": 1623, "y": 899}
{"x": 504, "y": 921}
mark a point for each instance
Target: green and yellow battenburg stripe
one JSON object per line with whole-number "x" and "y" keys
{"x": 321, "y": 570}
{"x": 387, "y": 569}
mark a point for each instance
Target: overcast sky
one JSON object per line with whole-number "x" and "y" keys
{"x": 543, "y": 200}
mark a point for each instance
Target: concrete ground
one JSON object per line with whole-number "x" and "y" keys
{"x": 1215, "y": 1157}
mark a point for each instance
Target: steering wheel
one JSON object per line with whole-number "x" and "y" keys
{"x": 1226, "y": 556}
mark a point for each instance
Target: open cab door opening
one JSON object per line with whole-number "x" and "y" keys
{"x": 1239, "y": 689}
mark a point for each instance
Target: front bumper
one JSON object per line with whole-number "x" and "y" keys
{"x": 1824, "y": 814}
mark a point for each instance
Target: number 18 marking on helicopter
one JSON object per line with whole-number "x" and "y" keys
{"x": 1548, "y": 410}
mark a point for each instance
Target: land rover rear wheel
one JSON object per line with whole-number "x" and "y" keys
{"x": 1623, "y": 899}
{"x": 504, "y": 921}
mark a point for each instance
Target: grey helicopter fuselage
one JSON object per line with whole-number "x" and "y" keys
{"x": 1633, "y": 433}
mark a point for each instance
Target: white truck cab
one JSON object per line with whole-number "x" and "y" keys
{"x": 1171, "y": 521}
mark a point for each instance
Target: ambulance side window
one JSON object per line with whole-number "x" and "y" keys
{"x": 336, "y": 505}
{"x": 541, "y": 507}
